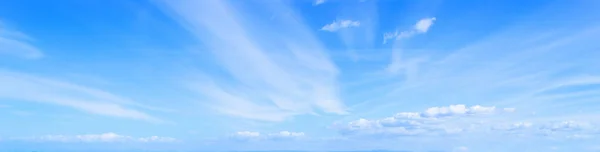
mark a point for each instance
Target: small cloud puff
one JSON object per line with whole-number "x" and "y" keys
{"x": 422, "y": 26}
{"x": 340, "y": 24}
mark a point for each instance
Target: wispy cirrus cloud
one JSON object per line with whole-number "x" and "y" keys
{"x": 340, "y": 24}
{"x": 109, "y": 137}
{"x": 281, "y": 75}
{"x": 25, "y": 87}
{"x": 15, "y": 43}
{"x": 319, "y": 2}
{"x": 422, "y": 26}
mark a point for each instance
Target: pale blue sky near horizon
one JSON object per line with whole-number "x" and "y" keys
{"x": 323, "y": 75}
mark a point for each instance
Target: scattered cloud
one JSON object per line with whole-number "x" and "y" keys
{"x": 318, "y": 2}
{"x": 422, "y": 26}
{"x": 104, "y": 137}
{"x": 157, "y": 139}
{"x": 567, "y": 126}
{"x": 255, "y": 136}
{"x": 433, "y": 121}
{"x": 15, "y": 43}
{"x": 340, "y": 24}
{"x": 24, "y": 87}
{"x": 514, "y": 126}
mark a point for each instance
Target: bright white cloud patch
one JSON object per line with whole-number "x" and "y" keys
{"x": 105, "y": 137}
{"x": 422, "y": 26}
{"x": 340, "y": 24}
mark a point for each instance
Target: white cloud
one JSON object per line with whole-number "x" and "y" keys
{"x": 456, "y": 110}
{"x": 247, "y": 134}
{"x": 287, "y": 134}
{"x": 422, "y": 26}
{"x": 514, "y": 126}
{"x": 433, "y": 121}
{"x": 14, "y": 43}
{"x": 157, "y": 139}
{"x": 340, "y": 24}
{"x": 105, "y": 137}
{"x": 269, "y": 74}
{"x": 254, "y": 136}
{"x": 318, "y": 2}
{"x": 566, "y": 126}
{"x": 19, "y": 86}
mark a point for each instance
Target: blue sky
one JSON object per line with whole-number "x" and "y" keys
{"x": 325, "y": 75}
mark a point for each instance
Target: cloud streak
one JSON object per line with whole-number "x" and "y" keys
{"x": 104, "y": 138}
{"x": 257, "y": 136}
{"x": 280, "y": 75}
{"x": 319, "y": 2}
{"x": 24, "y": 87}
{"x": 340, "y": 24}
{"x": 15, "y": 43}
{"x": 422, "y": 26}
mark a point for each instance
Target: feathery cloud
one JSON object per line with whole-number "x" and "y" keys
{"x": 24, "y": 87}
{"x": 318, "y": 2}
{"x": 15, "y": 43}
{"x": 340, "y": 24}
{"x": 259, "y": 81}
{"x": 422, "y": 26}
{"x": 104, "y": 137}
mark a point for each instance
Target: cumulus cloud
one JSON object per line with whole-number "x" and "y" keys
{"x": 104, "y": 137}
{"x": 454, "y": 110}
{"x": 449, "y": 111}
{"x": 422, "y": 26}
{"x": 340, "y": 24}
{"x": 254, "y": 136}
{"x": 433, "y": 121}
